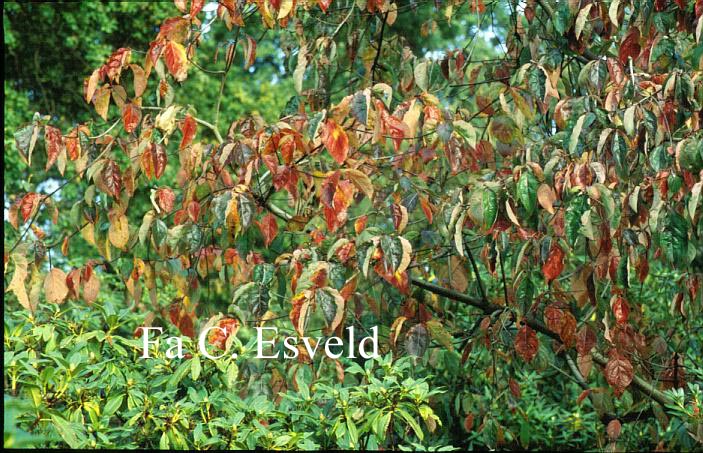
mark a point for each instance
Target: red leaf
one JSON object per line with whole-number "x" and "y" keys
{"x": 555, "y": 263}
{"x": 630, "y": 47}
{"x": 324, "y": 5}
{"x": 526, "y": 343}
{"x": 28, "y": 205}
{"x": 618, "y": 372}
{"x": 181, "y": 319}
{"x": 269, "y": 228}
{"x": 131, "y": 116}
{"x": 583, "y": 396}
{"x": 336, "y": 141}
{"x": 54, "y": 143}
{"x": 188, "y": 128}
{"x": 621, "y": 309}
{"x": 165, "y": 197}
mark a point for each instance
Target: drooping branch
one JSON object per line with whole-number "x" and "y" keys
{"x": 488, "y": 308}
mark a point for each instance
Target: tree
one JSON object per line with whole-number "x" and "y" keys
{"x": 522, "y": 204}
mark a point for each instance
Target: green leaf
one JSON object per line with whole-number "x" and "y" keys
{"x": 68, "y": 432}
{"x": 412, "y": 422}
{"x": 490, "y": 208}
{"x": 527, "y": 191}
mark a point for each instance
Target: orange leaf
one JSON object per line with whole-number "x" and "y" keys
{"x": 336, "y": 141}
{"x": 131, "y": 115}
{"x": 176, "y": 60}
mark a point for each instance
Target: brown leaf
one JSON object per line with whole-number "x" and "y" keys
{"x": 91, "y": 288}
{"x": 101, "y": 101}
{"x": 613, "y": 429}
{"x": 55, "y": 286}
{"x": 469, "y": 422}
{"x": 618, "y": 372}
{"x": 526, "y": 343}
{"x": 585, "y": 339}
{"x": 514, "y": 388}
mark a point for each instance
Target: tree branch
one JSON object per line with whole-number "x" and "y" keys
{"x": 536, "y": 325}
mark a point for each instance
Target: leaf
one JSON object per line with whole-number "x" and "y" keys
{"x": 526, "y": 343}
{"x": 249, "y": 52}
{"x": 554, "y": 264}
{"x": 140, "y": 80}
{"x": 131, "y": 116}
{"x": 67, "y": 432}
{"x": 440, "y": 334}
{"x": 54, "y": 145}
{"x": 336, "y": 141}
{"x": 489, "y": 204}
{"x": 585, "y": 340}
{"x": 118, "y": 232}
{"x": 16, "y": 285}
{"x": 613, "y": 429}
{"x": 300, "y": 67}
{"x": 360, "y": 180}
{"x": 581, "y": 20}
{"x": 28, "y": 205}
{"x": 629, "y": 47}
{"x": 457, "y": 274}
{"x": 176, "y": 60}
{"x": 91, "y": 288}
{"x": 153, "y": 161}
{"x": 55, "y": 286}
{"x": 332, "y": 304}
{"x": 268, "y": 228}
{"x": 421, "y": 74}
{"x": 101, "y": 101}
{"x": 165, "y": 199}
{"x": 546, "y": 197}
{"x": 188, "y": 128}
{"x": 618, "y": 372}
{"x": 527, "y": 191}
{"x": 416, "y": 340}
{"x": 112, "y": 178}
{"x": 399, "y": 214}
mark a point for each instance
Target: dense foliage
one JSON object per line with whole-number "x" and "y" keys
{"x": 521, "y": 220}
